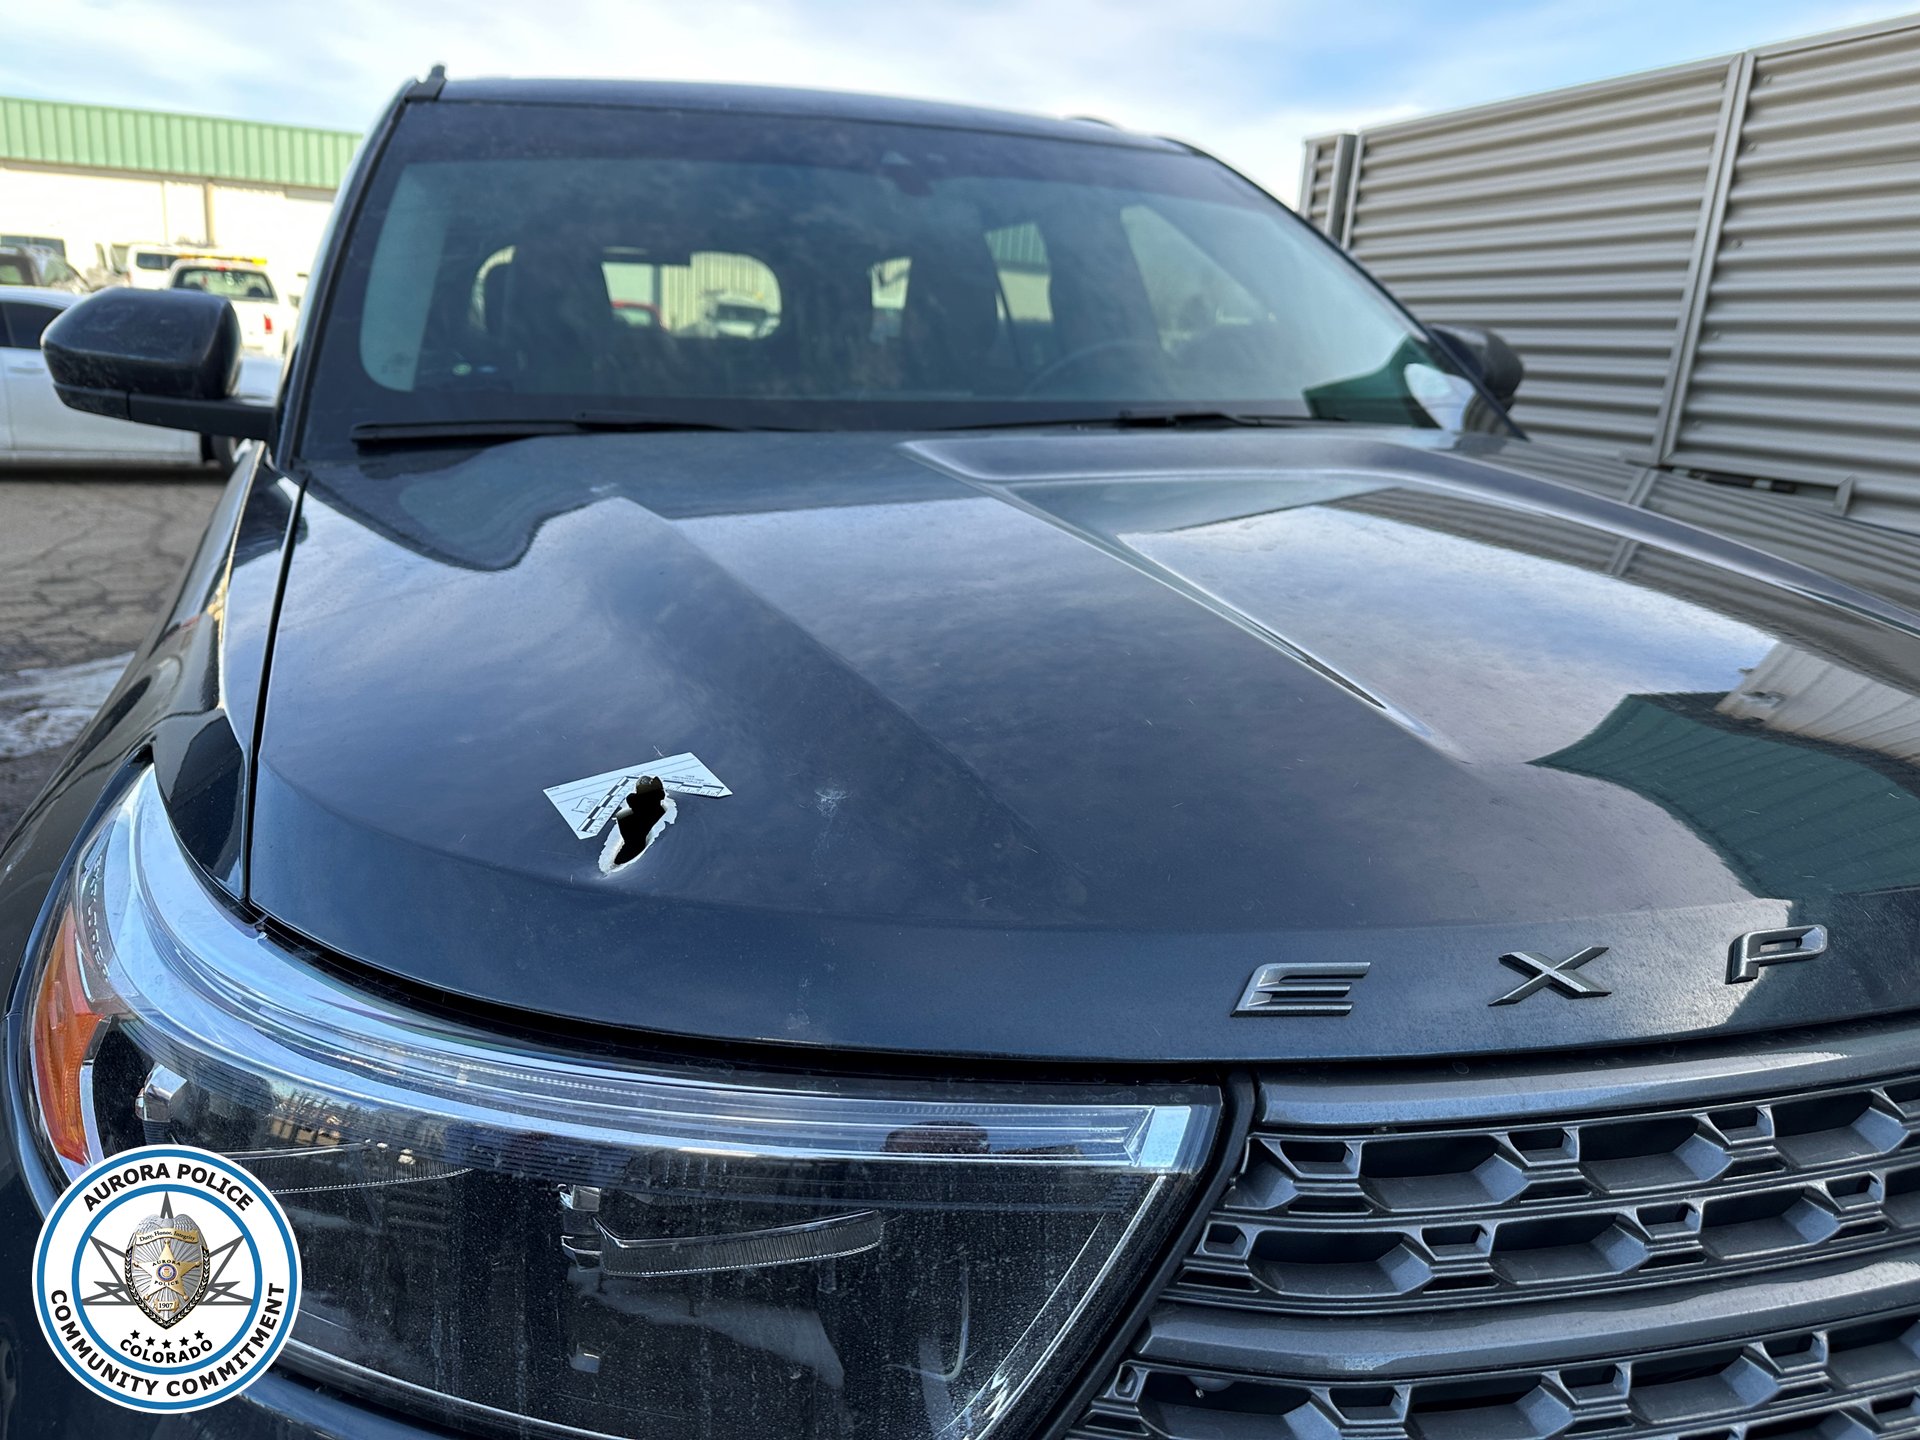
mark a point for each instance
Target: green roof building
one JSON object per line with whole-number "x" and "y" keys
{"x": 95, "y": 176}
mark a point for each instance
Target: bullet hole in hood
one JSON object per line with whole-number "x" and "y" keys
{"x": 647, "y": 811}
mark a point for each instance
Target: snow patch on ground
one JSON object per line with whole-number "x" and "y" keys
{"x": 44, "y": 709}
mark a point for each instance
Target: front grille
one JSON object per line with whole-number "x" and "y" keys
{"x": 1544, "y": 1257}
{"x": 1860, "y": 1380}
{"x": 1359, "y": 1223}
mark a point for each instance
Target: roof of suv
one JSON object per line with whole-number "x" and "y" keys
{"x": 772, "y": 100}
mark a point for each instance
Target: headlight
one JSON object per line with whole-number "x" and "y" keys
{"x": 493, "y": 1230}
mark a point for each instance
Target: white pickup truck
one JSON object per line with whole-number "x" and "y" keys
{"x": 266, "y": 322}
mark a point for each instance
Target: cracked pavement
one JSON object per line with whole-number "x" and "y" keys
{"x": 86, "y": 565}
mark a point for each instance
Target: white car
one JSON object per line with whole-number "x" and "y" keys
{"x": 36, "y": 429}
{"x": 266, "y": 324}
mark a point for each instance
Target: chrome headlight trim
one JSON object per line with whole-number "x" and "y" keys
{"x": 269, "y": 1033}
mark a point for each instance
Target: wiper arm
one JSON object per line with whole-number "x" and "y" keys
{"x": 584, "y": 422}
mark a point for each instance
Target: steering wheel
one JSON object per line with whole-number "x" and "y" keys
{"x": 1075, "y": 358}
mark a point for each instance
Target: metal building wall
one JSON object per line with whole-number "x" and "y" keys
{"x": 1806, "y": 364}
{"x": 1567, "y": 222}
{"x": 1714, "y": 267}
{"x": 1325, "y": 177}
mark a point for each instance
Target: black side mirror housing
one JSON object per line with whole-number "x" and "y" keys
{"x": 1487, "y": 356}
{"x": 156, "y": 357}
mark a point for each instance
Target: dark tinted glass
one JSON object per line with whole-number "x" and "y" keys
{"x": 24, "y": 322}
{"x": 537, "y": 261}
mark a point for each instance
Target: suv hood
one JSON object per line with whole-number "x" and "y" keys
{"x": 1042, "y": 744}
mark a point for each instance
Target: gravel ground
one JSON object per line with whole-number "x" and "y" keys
{"x": 85, "y": 565}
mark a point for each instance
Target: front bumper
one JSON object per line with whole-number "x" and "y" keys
{"x": 1718, "y": 1242}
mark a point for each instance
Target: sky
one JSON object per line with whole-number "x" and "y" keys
{"x": 1245, "y": 79}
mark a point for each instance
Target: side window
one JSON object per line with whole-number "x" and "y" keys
{"x": 1189, "y": 292}
{"x": 714, "y": 294}
{"x": 888, "y": 281}
{"x": 1020, "y": 255}
{"x": 479, "y": 318}
{"x": 633, "y": 288}
{"x": 719, "y": 295}
{"x": 21, "y": 324}
{"x": 1026, "y": 290}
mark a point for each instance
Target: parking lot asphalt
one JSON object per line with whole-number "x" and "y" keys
{"x": 86, "y": 563}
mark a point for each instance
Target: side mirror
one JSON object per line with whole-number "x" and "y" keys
{"x": 1496, "y": 363}
{"x": 157, "y": 357}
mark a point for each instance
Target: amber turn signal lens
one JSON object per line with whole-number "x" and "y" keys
{"x": 64, "y": 1025}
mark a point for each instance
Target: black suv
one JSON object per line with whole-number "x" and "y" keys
{"x": 856, "y": 769}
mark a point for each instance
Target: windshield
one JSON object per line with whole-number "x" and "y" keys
{"x": 838, "y": 274}
{"x": 219, "y": 280}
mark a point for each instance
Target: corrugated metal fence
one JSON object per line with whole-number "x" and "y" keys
{"x": 1714, "y": 267}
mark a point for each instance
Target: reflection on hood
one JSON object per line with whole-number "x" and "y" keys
{"x": 1791, "y": 814}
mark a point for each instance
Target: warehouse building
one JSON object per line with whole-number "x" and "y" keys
{"x": 1712, "y": 269}
{"x": 93, "y": 176}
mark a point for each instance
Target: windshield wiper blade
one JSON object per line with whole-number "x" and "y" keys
{"x": 1143, "y": 420}
{"x": 1174, "y": 419}
{"x": 585, "y": 422}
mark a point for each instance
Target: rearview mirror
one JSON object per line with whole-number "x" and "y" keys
{"x": 156, "y": 357}
{"x": 1496, "y": 364}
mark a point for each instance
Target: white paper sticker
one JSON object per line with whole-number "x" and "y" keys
{"x": 587, "y": 805}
